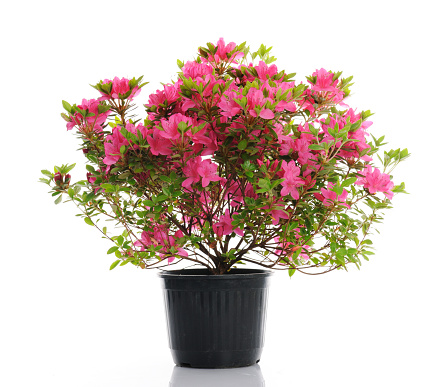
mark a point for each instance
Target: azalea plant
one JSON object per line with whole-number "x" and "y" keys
{"x": 234, "y": 163}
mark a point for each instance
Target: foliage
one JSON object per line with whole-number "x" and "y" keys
{"x": 235, "y": 163}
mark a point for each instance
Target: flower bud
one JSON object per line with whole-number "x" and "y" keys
{"x": 57, "y": 178}
{"x": 67, "y": 178}
{"x": 351, "y": 161}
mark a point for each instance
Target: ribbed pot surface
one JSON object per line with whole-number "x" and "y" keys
{"x": 215, "y": 321}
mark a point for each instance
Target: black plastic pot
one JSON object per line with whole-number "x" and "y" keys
{"x": 215, "y": 321}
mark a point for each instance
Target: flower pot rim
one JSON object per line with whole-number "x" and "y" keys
{"x": 204, "y": 273}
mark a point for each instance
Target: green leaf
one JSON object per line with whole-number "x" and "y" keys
{"x": 47, "y": 173}
{"x": 89, "y": 221}
{"x": 108, "y": 187}
{"x": 348, "y": 181}
{"x": 337, "y": 190}
{"x": 242, "y": 144}
{"x": 114, "y": 264}
{"x": 58, "y": 200}
{"x": 111, "y": 250}
{"x": 66, "y": 106}
{"x": 69, "y": 168}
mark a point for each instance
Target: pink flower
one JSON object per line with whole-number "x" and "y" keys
{"x": 227, "y": 104}
{"x": 191, "y": 172}
{"x": 287, "y": 248}
{"x": 223, "y": 53}
{"x": 196, "y": 169}
{"x": 89, "y": 124}
{"x": 119, "y": 88}
{"x": 135, "y": 129}
{"x": 168, "y": 95}
{"x": 194, "y": 70}
{"x": 171, "y": 126}
{"x": 158, "y": 144}
{"x": 257, "y": 100}
{"x": 375, "y": 181}
{"x": 112, "y": 146}
{"x": 264, "y": 72}
{"x": 224, "y": 226}
{"x": 160, "y": 236}
{"x": 329, "y": 198}
{"x": 277, "y": 212}
{"x": 292, "y": 179}
{"x": 208, "y": 171}
{"x": 324, "y": 81}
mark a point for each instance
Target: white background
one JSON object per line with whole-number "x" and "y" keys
{"x": 66, "y": 320}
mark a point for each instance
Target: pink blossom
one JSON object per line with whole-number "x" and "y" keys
{"x": 135, "y": 129}
{"x": 171, "y": 126}
{"x": 264, "y": 71}
{"x": 112, "y": 146}
{"x": 224, "y": 226}
{"x": 191, "y": 172}
{"x": 160, "y": 236}
{"x": 89, "y": 124}
{"x": 287, "y": 248}
{"x": 209, "y": 142}
{"x": 375, "y": 181}
{"x": 208, "y": 83}
{"x": 158, "y": 144}
{"x": 329, "y": 198}
{"x": 227, "y": 104}
{"x": 222, "y": 53}
{"x": 194, "y": 70}
{"x": 282, "y": 105}
{"x": 277, "y": 212}
{"x": 324, "y": 81}
{"x": 256, "y": 99}
{"x": 292, "y": 179}
{"x": 234, "y": 192}
{"x": 208, "y": 171}
{"x": 168, "y": 95}
{"x": 119, "y": 88}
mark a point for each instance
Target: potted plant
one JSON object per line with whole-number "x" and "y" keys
{"x": 235, "y": 164}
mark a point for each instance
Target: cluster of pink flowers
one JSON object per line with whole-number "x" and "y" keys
{"x": 330, "y": 198}
{"x": 159, "y": 236}
{"x": 92, "y": 121}
{"x": 284, "y": 246}
{"x": 376, "y": 181}
{"x": 119, "y": 87}
{"x": 224, "y": 226}
{"x": 204, "y": 110}
{"x": 197, "y": 169}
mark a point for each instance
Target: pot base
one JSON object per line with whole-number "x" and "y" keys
{"x": 216, "y": 359}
